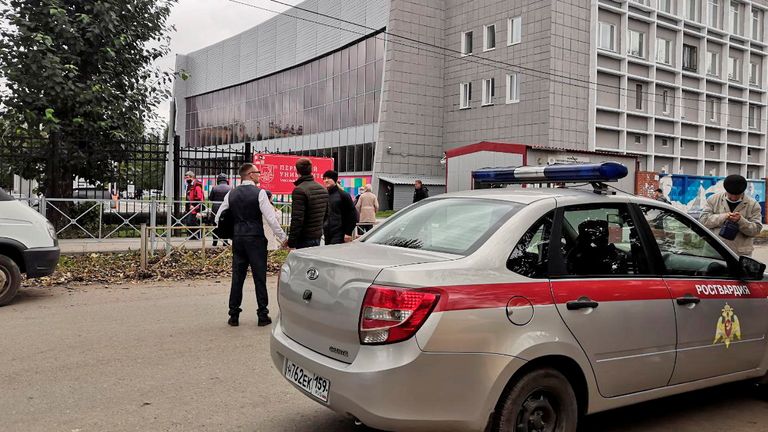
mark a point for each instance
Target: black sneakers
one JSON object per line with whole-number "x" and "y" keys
{"x": 264, "y": 321}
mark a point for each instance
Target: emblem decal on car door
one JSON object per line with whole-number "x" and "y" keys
{"x": 728, "y": 327}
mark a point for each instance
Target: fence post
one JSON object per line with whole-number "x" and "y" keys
{"x": 176, "y": 169}
{"x": 153, "y": 224}
{"x": 248, "y": 153}
{"x": 202, "y": 233}
{"x": 101, "y": 217}
{"x": 43, "y": 210}
{"x": 143, "y": 247}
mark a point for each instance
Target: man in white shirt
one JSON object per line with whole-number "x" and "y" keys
{"x": 249, "y": 207}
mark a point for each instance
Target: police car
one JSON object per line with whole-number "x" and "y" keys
{"x": 28, "y": 245}
{"x": 519, "y": 309}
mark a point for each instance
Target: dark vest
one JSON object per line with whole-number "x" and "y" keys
{"x": 246, "y": 214}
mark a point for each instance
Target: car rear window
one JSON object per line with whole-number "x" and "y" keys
{"x": 4, "y": 196}
{"x": 451, "y": 225}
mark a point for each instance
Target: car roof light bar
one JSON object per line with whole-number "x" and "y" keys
{"x": 565, "y": 173}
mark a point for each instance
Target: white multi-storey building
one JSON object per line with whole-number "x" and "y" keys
{"x": 683, "y": 83}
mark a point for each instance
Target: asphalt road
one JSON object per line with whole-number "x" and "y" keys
{"x": 160, "y": 357}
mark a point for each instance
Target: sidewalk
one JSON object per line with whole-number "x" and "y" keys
{"x": 81, "y": 246}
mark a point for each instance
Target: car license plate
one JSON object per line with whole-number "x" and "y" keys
{"x": 313, "y": 384}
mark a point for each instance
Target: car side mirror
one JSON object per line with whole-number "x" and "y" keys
{"x": 751, "y": 268}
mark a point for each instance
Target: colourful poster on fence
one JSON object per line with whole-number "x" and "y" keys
{"x": 278, "y": 172}
{"x": 352, "y": 184}
{"x": 689, "y": 193}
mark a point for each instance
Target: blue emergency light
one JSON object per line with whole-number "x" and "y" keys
{"x": 565, "y": 173}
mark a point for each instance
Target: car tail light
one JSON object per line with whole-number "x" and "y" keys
{"x": 392, "y": 315}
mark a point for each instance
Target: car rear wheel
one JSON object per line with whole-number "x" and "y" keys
{"x": 541, "y": 401}
{"x": 10, "y": 280}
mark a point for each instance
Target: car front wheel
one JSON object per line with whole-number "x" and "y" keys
{"x": 541, "y": 401}
{"x": 10, "y": 280}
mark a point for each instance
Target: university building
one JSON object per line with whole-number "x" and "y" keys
{"x": 388, "y": 88}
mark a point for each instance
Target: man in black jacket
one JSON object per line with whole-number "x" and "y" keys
{"x": 309, "y": 205}
{"x": 216, "y": 196}
{"x": 246, "y": 204}
{"x": 342, "y": 214}
{"x": 419, "y": 191}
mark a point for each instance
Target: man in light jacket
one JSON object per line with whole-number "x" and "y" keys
{"x": 367, "y": 206}
{"x": 734, "y": 206}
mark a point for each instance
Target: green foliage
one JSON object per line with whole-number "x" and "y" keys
{"x": 384, "y": 213}
{"x": 80, "y": 73}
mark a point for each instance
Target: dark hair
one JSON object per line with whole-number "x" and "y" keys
{"x": 659, "y": 190}
{"x": 304, "y": 166}
{"x": 245, "y": 169}
{"x": 331, "y": 174}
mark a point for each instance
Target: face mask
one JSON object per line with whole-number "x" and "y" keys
{"x": 189, "y": 182}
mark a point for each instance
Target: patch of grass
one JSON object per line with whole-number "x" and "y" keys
{"x": 384, "y": 213}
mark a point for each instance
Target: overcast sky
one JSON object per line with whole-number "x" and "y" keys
{"x": 200, "y": 23}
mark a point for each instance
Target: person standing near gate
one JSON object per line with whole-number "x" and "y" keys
{"x": 248, "y": 204}
{"x": 195, "y": 198}
{"x": 216, "y": 196}
{"x": 309, "y": 207}
{"x": 342, "y": 215}
{"x": 367, "y": 206}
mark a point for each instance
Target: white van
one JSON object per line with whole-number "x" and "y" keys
{"x": 28, "y": 245}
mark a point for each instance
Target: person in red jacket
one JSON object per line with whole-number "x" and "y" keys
{"x": 195, "y": 198}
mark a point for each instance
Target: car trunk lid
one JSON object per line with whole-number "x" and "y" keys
{"x": 322, "y": 290}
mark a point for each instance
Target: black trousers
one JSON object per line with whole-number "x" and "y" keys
{"x": 249, "y": 252}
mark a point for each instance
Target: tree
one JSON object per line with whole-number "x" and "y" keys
{"x": 80, "y": 80}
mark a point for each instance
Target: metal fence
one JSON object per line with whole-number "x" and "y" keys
{"x": 101, "y": 168}
{"x": 106, "y": 219}
{"x": 98, "y": 167}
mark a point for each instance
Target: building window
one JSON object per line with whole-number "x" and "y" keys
{"x": 489, "y": 91}
{"x": 689, "y": 58}
{"x": 712, "y": 147}
{"x": 606, "y": 36}
{"x": 735, "y": 17}
{"x": 712, "y": 109}
{"x": 754, "y": 73}
{"x": 636, "y": 44}
{"x": 750, "y": 174}
{"x": 714, "y": 13}
{"x": 691, "y": 7}
{"x": 489, "y": 41}
{"x": 713, "y": 63}
{"x": 638, "y": 96}
{"x": 513, "y": 88}
{"x": 466, "y": 43}
{"x": 757, "y": 24}
{"x": 754, "y": 116}
{"x": 663, "y": 51}
{"x": 664, "y": 142}
{"x": 638, "y": 139}
{"x": 665, "y": 6}
{"x": 465, "y": 95}
{"x": 514, "y": 30}
{"x": 665, "y": 102}
{"x": 749, "y": 152}
{"x": 734, "y": 69}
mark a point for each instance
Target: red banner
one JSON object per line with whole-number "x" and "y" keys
{"x": 278, "y": 172}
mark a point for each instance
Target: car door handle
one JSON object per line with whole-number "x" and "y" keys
{"x": 581, "y": 303}
{"x": 687, "y": 299}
